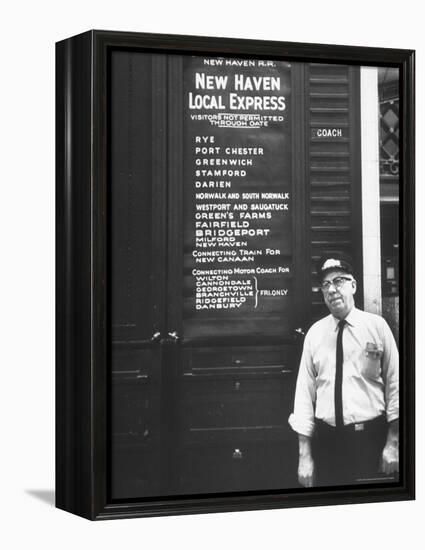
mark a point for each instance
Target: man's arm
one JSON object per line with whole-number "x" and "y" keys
{"x": 302, "y": 419}
{"x": 389, "y": 462}
{"x": 306, "y": 471}
{"x": 390, "y": 367}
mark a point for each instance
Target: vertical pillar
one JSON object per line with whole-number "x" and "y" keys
{"x": 370, "y": 189}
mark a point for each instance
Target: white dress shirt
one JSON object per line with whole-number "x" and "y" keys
{"x": 370, "y": 372}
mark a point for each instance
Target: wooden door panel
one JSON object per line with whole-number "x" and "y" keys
{"x": 230, "y": 467}
{"x": 240, "y": 301}
{"x": 201, "y": 359}
{"x": 135, "y": 395}
{"x": 234, "y": 408}
{"x": 137, "y": 248}
{"x": 135, "y": 471}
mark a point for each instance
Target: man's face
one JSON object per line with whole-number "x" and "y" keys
{"x": 340, "y": 301}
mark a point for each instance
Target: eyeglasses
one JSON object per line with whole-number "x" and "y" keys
{"x": 337, "y": 283}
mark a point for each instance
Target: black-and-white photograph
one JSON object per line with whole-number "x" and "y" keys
{"x": 254, "y": 274}
{"x": 211, "y": 237}
{"x": 211, "y": 242}
{"x": 246, "y": 272}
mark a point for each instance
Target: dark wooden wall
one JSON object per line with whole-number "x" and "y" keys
{"x": 334, "y": 169}
{"x": 191, "y": 417}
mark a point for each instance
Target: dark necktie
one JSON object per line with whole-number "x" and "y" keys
{"x": 339, "y": 420}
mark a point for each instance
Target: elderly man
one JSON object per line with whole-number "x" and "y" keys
{"x": 346, "y": 399}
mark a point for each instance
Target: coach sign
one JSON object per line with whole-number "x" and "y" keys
{"x": 329, "y": 133}
{"x": 201, "y": 183}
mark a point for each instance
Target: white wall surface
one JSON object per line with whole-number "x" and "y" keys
{"x": 28, "y": 32}
{"x": 371, "y": 220}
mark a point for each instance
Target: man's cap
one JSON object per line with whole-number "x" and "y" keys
{"x": 332, "y": 262}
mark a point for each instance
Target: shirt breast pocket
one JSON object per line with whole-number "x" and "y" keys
{"x": 371, "y": 367}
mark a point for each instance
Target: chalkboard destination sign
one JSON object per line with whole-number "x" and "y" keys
{"x": 237, "y": 197}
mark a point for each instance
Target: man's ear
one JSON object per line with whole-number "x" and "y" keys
{"x": 354, "y": 283}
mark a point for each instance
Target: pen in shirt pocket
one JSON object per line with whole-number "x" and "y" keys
{"x": 374, "y": 351}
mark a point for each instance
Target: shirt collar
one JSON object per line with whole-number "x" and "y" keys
{"x": 351, "y": 318}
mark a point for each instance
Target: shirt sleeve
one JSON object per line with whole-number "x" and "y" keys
{"x": 390, "y": 374}
{"x": 302, "y": 419}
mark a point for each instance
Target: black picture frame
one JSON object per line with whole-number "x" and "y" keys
{"x": 83, "y": 299}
